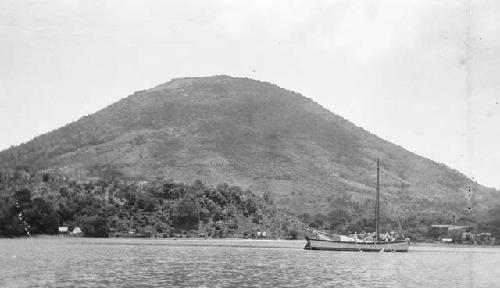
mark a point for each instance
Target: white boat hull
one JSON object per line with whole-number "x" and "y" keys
{"x": 396, "y": 246}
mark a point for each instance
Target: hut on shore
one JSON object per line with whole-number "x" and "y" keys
{"x": 63, "y": 230}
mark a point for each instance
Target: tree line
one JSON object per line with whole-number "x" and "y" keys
{"x": 39, "y": 204}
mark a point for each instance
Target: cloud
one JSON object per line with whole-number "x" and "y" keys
{"x": 271, "y": 20}
{"x": 359, "y": 28}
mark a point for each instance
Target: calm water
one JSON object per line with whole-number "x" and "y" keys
{"x": 235, "y": 263}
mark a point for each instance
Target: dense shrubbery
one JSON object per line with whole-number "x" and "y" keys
{"x": 102, "y": 208}
{"x": 105, "y": 208}
{"x": 94, "y": 226}
{"x": 492, "y": 222}
{"x": 21, "y": 214}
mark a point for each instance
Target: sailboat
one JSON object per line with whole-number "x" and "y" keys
{"x": 335, "y": 242}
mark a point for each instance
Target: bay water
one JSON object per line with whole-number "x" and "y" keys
{"x": 118, "y": 262}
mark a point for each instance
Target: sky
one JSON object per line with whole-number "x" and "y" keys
{"x": 422, "y": 74}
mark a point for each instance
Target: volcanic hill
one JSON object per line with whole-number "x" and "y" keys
{"x": 256, "y": 135}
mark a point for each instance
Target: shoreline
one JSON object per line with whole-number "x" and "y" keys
{"x": 227, "y": 240}
{"x": 413, "y": 244}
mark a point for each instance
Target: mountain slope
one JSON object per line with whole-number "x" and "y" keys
{"x": 256, "y": 135}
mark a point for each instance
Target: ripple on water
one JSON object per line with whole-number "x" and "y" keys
{"x": 230, "y": 263}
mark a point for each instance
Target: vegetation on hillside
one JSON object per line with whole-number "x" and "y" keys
{"x": 236, "y": 130}
{"x": 39, "y": 204}
{"x": 291, "y": 151}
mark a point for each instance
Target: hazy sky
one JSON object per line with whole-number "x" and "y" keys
{"x": 422, "y": 74}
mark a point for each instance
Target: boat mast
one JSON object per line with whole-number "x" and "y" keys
{"x": 377, "y": 203}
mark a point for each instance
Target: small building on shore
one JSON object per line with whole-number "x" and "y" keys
{"x": 76, "y": 232}
{"x": 63, "y": 230}
{"x": 450, "y": 233}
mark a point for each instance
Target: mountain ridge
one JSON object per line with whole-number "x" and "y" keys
{"x": 254, "y": 134}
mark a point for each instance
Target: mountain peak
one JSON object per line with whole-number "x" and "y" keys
{"x": 183, "y": 82}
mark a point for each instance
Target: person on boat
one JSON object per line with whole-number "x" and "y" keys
{"x": 386, "y": 237}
